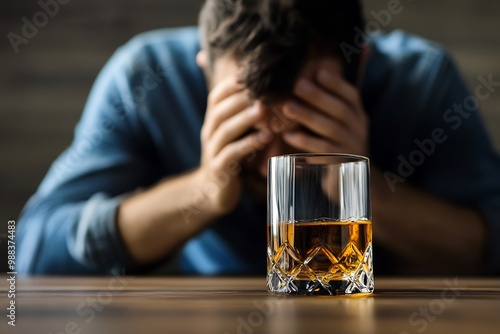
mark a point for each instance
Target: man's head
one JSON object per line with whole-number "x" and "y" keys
{"x": 271, "y": 41}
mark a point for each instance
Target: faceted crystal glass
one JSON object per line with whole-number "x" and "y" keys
{"x": 319, "y": 229}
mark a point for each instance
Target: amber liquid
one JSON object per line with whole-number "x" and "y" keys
{"x": 320, "y": 251}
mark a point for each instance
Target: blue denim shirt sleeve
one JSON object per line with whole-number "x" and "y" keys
{"x": 462, "y": 167}
{"x": 466, "y": 167}
{"x": 412, "y": 88}
{"x": 69, "y": 225}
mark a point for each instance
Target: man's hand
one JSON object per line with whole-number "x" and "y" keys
{"x": 226, "y": 141}
{"x": 332, "y": 110}
{"x": 155, "y": 222}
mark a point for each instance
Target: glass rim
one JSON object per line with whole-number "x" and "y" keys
{"x": 354, "y": 157}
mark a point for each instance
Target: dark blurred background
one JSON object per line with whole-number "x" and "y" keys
{"x": 44, "y": 86}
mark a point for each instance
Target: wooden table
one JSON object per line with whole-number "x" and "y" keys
{"x": 242, "y": 305}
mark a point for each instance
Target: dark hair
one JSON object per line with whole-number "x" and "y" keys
{"x": 272, "y": 39}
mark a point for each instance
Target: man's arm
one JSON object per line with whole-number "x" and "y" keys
{"x": 68, "y": 226}
{"x": 157, "y": 221}
{"x": 428, "y": 234}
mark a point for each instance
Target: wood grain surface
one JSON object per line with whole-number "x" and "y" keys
{"x": 242, "y": 305}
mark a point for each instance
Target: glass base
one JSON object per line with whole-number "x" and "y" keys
{"x": 358, "y": 281}
{"x": 332, "y": 288}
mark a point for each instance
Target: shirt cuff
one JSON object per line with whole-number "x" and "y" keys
{"x": 95, "y": 241}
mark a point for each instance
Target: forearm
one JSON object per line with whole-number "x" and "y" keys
{"x": 154, "y": 223}
{"x": 427, "y": 233}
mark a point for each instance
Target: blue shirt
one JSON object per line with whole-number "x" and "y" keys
{"x": 142, "y": 123}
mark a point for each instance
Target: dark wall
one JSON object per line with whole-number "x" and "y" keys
{"x": 44, "y": 86}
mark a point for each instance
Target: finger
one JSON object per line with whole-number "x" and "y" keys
{"x": 239, "y": 150}
{"x": 317, "y": 122}
{"x": 233, "y": 128}
{"x": 222, "y": 90}
{"x": 310, "y": 144}
{"x": 324, "y": 101}
{"x": 328, "y": 77}
{"x": 223, "y": 110}
{"x": 335, "y": 84}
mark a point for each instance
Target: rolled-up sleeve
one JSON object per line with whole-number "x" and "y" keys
{"x": 95, "y": 241}
{"x": 69, "y": 225}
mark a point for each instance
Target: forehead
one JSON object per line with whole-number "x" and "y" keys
{"x": 227, "y": 65}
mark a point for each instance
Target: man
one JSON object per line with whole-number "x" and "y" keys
{"x": 141, "y": 190}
